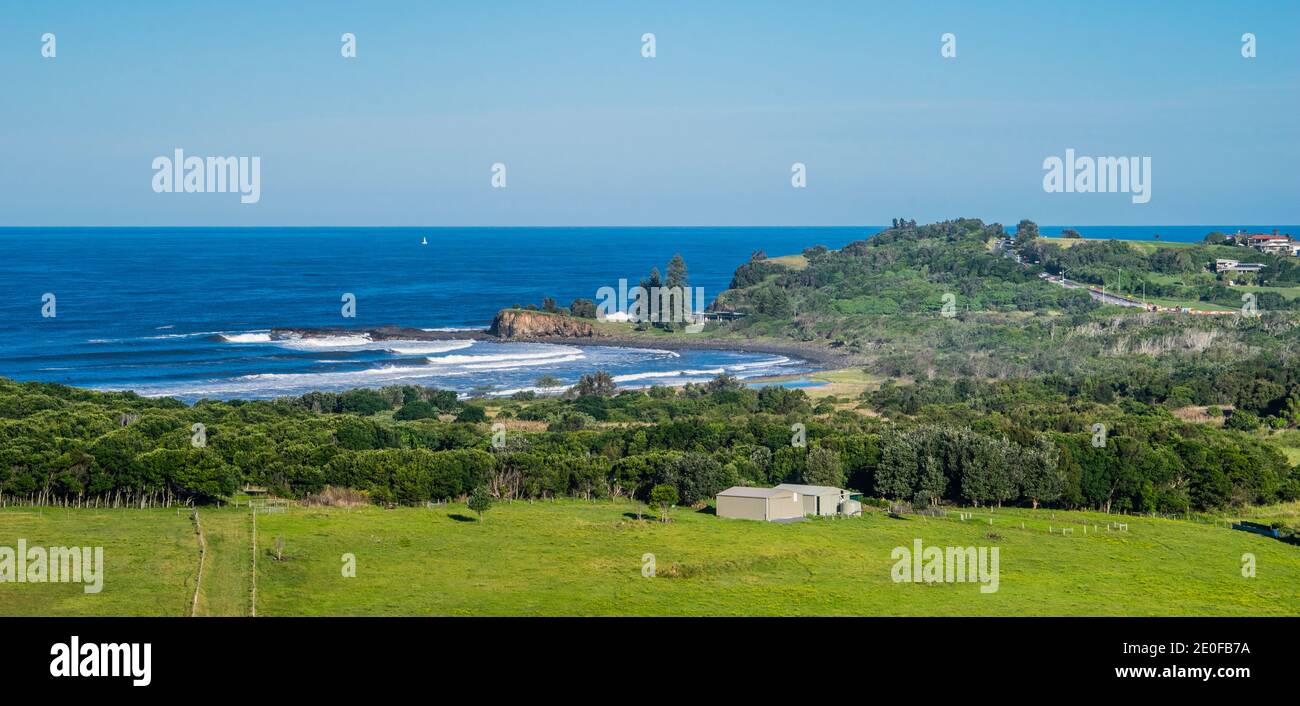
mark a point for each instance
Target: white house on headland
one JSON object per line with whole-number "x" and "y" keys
{"x": 1274, "y": 243}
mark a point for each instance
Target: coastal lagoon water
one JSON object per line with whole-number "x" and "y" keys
{"x": 189, "y": 312}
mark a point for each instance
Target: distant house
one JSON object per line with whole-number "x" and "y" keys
{"x": 1225, "y": 265}
{"x": 818, "y": 499}
{"x": 767, "y": 504}
{"x": 1274, "y": 243}
{"x": 722, "y": 315}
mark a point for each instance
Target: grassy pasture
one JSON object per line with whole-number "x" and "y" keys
{"x": 151, "y": 558}
{"x": 1149, "y": 246}
{"x": 585, "y": 558}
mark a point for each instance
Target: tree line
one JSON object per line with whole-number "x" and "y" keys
{"x": 59, "y": 444}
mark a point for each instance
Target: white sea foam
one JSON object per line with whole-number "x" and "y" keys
{"x": 739, "y": 370}
{"x": 382, "y": 371}
{"x": 316, "y": 343}
{"x": 289, "y": 383}
{"x": 512, "y": 365}
{"x": 652, "y": 351}
{"x": 156, "y": 337}
{"x": 246, "y": 337}
{"x": 425, "y": 347}
{"x": 537, "y": 390}
{"x": 779, "y": 360}
{"x": 162, "y": 336}
{"x": 360, "y": 342}
{"x": 467, "y": 360}
{"x": 631, "y": 377}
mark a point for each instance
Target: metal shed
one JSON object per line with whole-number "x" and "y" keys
{"x": 759, "y": 503}
{"x": 818, "y": 499}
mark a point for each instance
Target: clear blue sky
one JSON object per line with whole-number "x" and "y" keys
{"x": 594, "y": 134}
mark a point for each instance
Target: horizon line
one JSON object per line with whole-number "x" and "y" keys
{"x": 579, "y": 227}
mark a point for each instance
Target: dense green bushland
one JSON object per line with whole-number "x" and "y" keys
{"x": 984, "y": 443}
{"x": 945, "y": 300}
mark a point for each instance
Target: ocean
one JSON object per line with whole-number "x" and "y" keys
{"x": 188, "y": 312}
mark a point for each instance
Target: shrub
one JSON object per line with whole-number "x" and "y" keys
{"x": 663, "y": 496}
{"x": 480, "y": 500}
{"x": 472, "y": 413}
{"x": 363, "y": 402}
{"x": 420, "y": 409}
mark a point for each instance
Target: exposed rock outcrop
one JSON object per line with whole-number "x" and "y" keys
{"x": 522, "y": 323}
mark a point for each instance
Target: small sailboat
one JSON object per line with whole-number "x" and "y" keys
{"x": 424, "y": 241}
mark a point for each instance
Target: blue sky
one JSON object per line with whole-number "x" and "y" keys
{"x": 594, "y": 134}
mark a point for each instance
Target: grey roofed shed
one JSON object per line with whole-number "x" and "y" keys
{"x": 818, "y": 499}
{"x": 759, "y": 503}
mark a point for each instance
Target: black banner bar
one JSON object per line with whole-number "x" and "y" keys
{"x": 335, "y": 655}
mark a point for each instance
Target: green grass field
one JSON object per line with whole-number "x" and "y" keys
{"x": 150, "y": 561}
{"x": 585, "y": 558}
{"x": 794, "y": 262}
{"x": 1148, "y": 246}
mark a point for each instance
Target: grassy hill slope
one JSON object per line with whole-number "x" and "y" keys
{"x": 585, "y": 558}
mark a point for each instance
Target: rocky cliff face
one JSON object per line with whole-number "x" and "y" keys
{"x": 521, "y": 323}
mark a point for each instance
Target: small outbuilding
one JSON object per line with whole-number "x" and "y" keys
{"x": 766, "y": 504}
{"x": 818, "y": 499}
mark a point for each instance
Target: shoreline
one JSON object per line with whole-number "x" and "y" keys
{"x": 820, "y": 356}
{"x": 814, "y": 354}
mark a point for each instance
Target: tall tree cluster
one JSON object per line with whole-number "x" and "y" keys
{"x": 931, "y": 464}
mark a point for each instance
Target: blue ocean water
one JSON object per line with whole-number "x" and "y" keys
{"x": 186, "y": 312}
